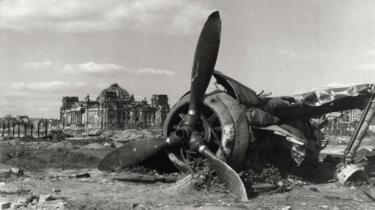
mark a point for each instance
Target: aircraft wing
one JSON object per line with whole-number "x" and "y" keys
{"x": 319, "y": 102}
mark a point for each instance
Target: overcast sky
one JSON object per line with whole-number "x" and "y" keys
{"x": 52, "y": 48}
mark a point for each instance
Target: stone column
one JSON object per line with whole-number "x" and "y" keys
{"x": 46, "y": 124}
{"x": 18, "y": 129}
{"x": 13, "y": 126}
{"x": 25, "y": 129}
{"x": 38, "y": 129}
{"x": 31, "y": 129}
{"x": 8, "y": 125}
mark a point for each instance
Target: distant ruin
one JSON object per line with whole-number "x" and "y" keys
{"x": 114, "y": 108}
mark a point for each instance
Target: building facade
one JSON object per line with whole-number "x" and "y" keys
{"x": 114, "y": 108}
{"x": 344, "y": 123}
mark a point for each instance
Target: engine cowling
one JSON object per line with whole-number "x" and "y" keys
{"x": 224, "y": 124}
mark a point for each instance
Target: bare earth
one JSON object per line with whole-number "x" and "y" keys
{"x": 100, "y": 191}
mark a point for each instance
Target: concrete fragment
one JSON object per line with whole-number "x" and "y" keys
{"x": 94, "y": 146}
{"x": 22, "y": 202}
{"x": 4, "y": 205}
{"x": 44, "y": 198}
{"x": 2, "y": 186}
{"x": 34, "y": 201}
{"x": 84, "y": 175}
{"x": 16, "y": 171}
{"x": 56, "y": 190}
{"x": 54, "y": 204}
{"x": 286, "y": 208}
{"x": 107, "y": 144}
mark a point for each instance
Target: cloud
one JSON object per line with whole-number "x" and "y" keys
{"x": 152, "y": 71}
{"x": 45, "y": 65}
{"x": 291, "y": 54}
{"x": 44, "y": 86}
{"x": 92, "y": 67}
{"x": 338, "y": 84}
{"x": 366, "y": 67}
{"x": 369, "y": 53}
{"x": 72, "y": 16}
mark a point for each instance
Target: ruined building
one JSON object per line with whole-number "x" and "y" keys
{"x": 114, "y": 108}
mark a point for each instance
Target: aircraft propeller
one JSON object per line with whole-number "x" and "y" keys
{"x": 188, "y": 134}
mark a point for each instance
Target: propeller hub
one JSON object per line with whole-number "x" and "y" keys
{"x": 191, "y": 122}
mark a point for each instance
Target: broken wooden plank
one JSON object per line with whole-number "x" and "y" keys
{"x": 145, "y": 178}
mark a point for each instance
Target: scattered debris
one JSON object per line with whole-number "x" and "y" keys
{"x": 84, "y": 175}
{"x": 314, "y": 189}
{"x": 44, "y": 198}
{"x": 263, "y": 187}
{"x": 140, "y": 178}
{"x": 131, "y": 134}
{"x": 186, "y": 184}
{"x": 22, "y": 202}
{"x": 56, "y": 190}
{"x": 94, "y": 146}
{"x": 368, "y": 194}
{"x": 286, "y": 208}
{"x": 61, "y": 145}
{"x": 17, "y": 171}
{"x": 4, "y": 205}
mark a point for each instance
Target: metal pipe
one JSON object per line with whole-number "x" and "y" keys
{"x": 361, "y": 130}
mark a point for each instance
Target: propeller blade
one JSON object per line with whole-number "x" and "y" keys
{"x": 226, "y": 174}
{"x": 204, "y": 60}
{"x": 131, "y": 153}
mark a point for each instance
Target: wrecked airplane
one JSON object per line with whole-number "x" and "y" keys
{"x": 233, "y": 127}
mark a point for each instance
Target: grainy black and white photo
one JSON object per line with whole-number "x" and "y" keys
{"x": 187, "y": 104}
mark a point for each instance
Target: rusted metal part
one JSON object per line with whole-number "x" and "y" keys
{"x": 234, "y": 127}
{"x": 282, "y": 132}
{"x": 320, "y": 97}
{"x": 245, "y": 95}
{"x": 345, "y": 171}
{"x": 321, "y": 102}
{"x": 237, "y": 145}
{"x": 360, "y": 131}
{"x": 297, "y": 149}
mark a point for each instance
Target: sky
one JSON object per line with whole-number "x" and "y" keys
{"x": 53, "y": 48}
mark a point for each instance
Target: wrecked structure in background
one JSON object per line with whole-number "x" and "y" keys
{"x": 23, "y": 126}
{"x": 114, "y": 108}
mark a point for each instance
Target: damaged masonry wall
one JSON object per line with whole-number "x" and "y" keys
{"x": 114, "y": 108}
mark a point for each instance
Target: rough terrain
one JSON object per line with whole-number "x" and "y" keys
{"x": 65, "y": 170}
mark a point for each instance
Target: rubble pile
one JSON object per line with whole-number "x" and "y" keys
{"x": 131, "y": 134}
{"x": 206, "y": 178}
{"x": 36, "y": 202}
{"x": 265, "y": 180}
{"x": 269, "y": 174}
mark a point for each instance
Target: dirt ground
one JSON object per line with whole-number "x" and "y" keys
{"x": 66, "y": 171}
